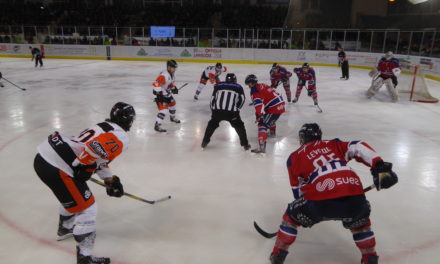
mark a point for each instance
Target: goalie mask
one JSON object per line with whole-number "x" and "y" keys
{"x": 389, "y": 55}
{"x": 218, "y": 66}
{"x": 309, "y": 132}
{"x": 122, "y": 114}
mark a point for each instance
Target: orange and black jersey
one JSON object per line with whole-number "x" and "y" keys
{"x": 101, "y": 143}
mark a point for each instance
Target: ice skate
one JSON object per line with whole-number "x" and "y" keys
{"x": 278, "y": 259}
{"x": 295, "y": 100}
{"x": 260, "y": 150}
{"x": 196, "y": 97}
{"x": 63, "y": 232}
{"x": 174, "y": 119}
{"x": 1, "y": 85}
{"x": 204, "y": 144}
{"x": 369, "y": 94}
{"x": 272, "y": 134}
{"x": 158, "y": 128}
{"x": 371, "y": 260}
{"x": 80, "y": 259}
{"x": 247, "y": 147}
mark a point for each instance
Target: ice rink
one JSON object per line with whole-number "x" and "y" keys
{"x": 218, "y": 192}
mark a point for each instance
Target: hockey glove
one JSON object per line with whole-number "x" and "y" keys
{"x": 383, "y": 175}
{"x": 175, "y": 90}
{"x": 84, "y": 172}
{"x": 115, "y": 188}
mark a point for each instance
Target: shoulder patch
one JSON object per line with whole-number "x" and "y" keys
{"x": 105, "y": 126}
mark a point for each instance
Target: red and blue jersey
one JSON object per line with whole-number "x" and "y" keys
{"x": 281, "y": 75}
{"x": 306, "y": 76}
{"x": 318, "y": 170}
{"x": 266, "y": 100}
{"x": 385, "y": 67}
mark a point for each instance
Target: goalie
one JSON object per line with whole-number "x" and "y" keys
{"x": 387, "y": 71}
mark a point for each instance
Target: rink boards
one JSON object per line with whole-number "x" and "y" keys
{"x": 203, "y": 54}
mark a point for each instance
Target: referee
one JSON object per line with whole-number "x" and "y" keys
{"x": 343, "y": 63}
{"x": 226, "y": 102}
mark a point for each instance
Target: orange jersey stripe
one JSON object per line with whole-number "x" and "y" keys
{"x": 81, "y": 204}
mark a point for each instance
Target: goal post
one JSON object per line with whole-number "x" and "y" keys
{"x": 413, "y": 83}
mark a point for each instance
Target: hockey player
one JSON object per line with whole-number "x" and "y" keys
{"x": 1, "y": 84}
{"x": 36, "y": 54}
{"x": 226, "y": 101}
{"x": 343, "y": 63}
{"x": 211, "y": 74}
{"x": 279, "y": 74}
{"x": 163, "y": 88}
{"x": 386, "y": 73}
{"x": 65, "y": 164}
{"x": 269, "y": 105}
{"x": 306, "y": 74}
{"x": 326, "y": 188}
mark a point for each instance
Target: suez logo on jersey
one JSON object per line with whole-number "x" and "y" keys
{"x": 329, "y": 184}
{"x": 98, "y": 149}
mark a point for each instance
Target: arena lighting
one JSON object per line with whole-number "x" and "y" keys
{"x": 415, "y": 2}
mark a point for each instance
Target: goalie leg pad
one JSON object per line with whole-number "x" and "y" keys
{"x": 391, "y": 89}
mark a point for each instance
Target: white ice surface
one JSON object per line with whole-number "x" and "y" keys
{"x": 216, "y": 193}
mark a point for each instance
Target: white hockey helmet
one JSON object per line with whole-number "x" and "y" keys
{"x": 389, "y": 54}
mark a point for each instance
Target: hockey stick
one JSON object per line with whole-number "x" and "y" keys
{"x": 134, "y": 196}
{"x": 318, "y": 109}
{"x": 23, "y": 89}
{"x": 185, "y": 84}
{"x": 270, "y": 235}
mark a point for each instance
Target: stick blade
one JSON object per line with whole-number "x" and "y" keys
{"x": 262, "y": 232}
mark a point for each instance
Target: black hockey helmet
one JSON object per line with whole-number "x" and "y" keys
{"x": 305, "y": 65}
{"x": 309, "y": 132}
{"x": 123, "y": 114}
{"x": 218, "y": 65}
{"x": 251, "y": 79}
{"x": 231, "y": 78}
{"x": 172, "y": 63}
{"x": 275, "y": 66}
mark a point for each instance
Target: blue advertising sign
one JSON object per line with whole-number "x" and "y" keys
{"x": 162, "y": 32}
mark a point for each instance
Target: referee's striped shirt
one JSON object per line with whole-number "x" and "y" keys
{"x": 227, "y": 97}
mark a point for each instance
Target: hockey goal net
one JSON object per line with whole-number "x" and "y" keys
{"x": 412, "y": 82}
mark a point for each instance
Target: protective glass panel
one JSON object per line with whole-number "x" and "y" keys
{"x": 220, "y": 38}
{"x": 310, "y": 40}
{"x": 263, "y": 36}
{"x": 391, "y": 41}
{"x": 324, "y": 40}
{"x": 403, "y": 46}
{"x": 378, "y": 42}
{"x": 205, "y": 37}
{"x": 365, "y": 41}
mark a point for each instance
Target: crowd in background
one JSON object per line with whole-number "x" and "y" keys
{"x": 204, "y": 14}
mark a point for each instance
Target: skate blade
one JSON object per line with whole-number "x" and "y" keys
{"x": 64, "y": 237}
